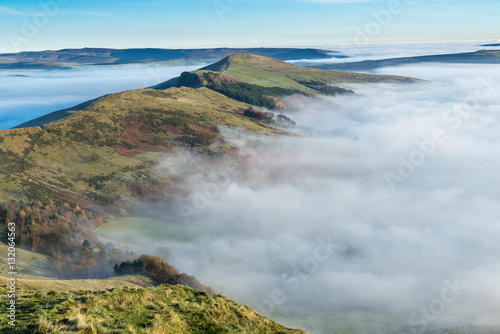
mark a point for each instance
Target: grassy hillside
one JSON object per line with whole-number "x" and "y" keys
{"x": 249, "y": 65}
{"x": 133, "y": 309}
{"x": 46, "y": 285}
{"x": 60, "y": 181}
{"x": 102, "y": 151}
{"x": 71, "y": 171}
{"x": 67, "y": 175}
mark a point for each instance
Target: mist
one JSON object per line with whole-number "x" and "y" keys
{"x": 369, "y": 51}
{"x": 28, "y": 94}
{"x": 380, "y": 215}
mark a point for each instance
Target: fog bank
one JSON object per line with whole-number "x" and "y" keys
{"x": 382, "y": 216}
{"x": 28, "y": 94}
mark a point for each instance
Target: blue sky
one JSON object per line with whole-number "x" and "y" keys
{"x": 29, "y": 25}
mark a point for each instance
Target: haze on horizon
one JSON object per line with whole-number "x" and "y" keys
{"x": 57, "y": 24}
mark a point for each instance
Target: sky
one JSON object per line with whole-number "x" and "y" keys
{"x": 56, "y": 24}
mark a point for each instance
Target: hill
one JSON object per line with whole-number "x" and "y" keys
{"x": 252, "y": 79}
{"x": 134, "y": 309}
{"x": 102, "y": 157}
{"x": 269, "y": 72}
{"x": 66, "y": 174}
{"x": 98, "y": 56}
{"x": 479, "y": 57}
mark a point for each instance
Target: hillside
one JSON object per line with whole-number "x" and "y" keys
{"x": 66, "y": 174}
{"x": 61, "y": 181}
{"x": 119, "y": 135}
{"x": 252, "y": 79}
{"x": 133, "y": 309}
{"x": 68, "y": 171}
{"x": 99, "y": 56}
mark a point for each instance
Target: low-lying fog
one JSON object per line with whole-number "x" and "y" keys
{"x": 369, "y": 51}
{"x": 28, "y": 94}
{"x": 385, "y": 212}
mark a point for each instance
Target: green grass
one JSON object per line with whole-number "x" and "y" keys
{"x": 252, "y": 63}
{"x": 47, "y": 284}
{"x": 265, "y": 78}
{"x": 162, "y": 309}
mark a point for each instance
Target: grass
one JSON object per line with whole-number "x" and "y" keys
{"x": 123, "y": 134}
{"x": 249, "y": 64}
{"x": 265, "y": 78}
{"x": 30, "y": 265}
{"x": 132, "y": 309}
{"x": 46, "y": 284}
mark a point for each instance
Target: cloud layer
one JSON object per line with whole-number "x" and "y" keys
{"x": 312, "y": 234}
{"x": 27, "y": 94}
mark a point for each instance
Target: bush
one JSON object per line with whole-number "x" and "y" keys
{"x": 259, "y": 115}
{"x": 251, "y": 94}
{"x": 160, "y": 270}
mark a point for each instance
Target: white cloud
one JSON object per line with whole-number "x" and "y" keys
{"x": 338, "y": 1}
{"x": 79, "y": 12}
{"x": 11, "y": 11}
{"x": 258, "y": 239}
{"x": 27, "y": 94}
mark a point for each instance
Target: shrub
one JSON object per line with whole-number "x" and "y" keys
{"x": 259, "y": 115}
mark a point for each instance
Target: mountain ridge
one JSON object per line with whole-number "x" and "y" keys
{"x": 254, "y": 72}
{"x": 102, "y": 56}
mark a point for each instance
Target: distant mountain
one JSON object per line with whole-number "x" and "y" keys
{"x": 96, "y": 56}
{"x": 479, "y": 57}
{"x": 496, "y": 44}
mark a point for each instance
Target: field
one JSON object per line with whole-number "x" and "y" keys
{"x": 76, "y": 307}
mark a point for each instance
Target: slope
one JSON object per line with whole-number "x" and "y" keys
{"x": 101, "y": 151}
{"x": 241, "y": 65}
{"x": 133, "y": 309}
